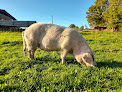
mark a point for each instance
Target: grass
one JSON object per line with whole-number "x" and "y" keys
{"x": 47, "y": 74}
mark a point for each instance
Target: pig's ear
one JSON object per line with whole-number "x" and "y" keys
{"x": 87, "y": 59}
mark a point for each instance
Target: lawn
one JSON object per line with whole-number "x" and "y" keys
{"x": 47, "y": 74}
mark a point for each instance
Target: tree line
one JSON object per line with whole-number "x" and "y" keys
{"x": 105, "y": 13}
{"x": 78, "y": 28}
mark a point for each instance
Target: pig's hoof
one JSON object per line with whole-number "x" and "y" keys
{"x": 63, "y": 63}
{"x": 31, "y": 58}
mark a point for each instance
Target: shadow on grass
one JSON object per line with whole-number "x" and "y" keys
{"x": 5, "y": 70}
{"x": 13, "y": 43}
{"x": 112, "y": 64}
{"x": 85, "y": 33}
{"x": 68, "y": 60}
{"x": 41, "y": 60}
{"x": 44, "y": 60}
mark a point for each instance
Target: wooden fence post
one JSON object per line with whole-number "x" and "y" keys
{"x": 95, "y": 34}
{"x": 91, "y": 33}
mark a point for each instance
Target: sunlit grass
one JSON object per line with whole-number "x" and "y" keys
{"x": 46, "y": 73}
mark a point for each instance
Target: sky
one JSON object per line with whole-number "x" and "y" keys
{"x": 64, "y": 12}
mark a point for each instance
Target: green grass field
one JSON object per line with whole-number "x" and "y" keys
{"x": 47, "y": 74}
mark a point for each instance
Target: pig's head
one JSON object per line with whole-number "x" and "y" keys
{"x": 88, "y": 60}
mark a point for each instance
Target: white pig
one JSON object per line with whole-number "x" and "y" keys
{"x": 50, "y": 37}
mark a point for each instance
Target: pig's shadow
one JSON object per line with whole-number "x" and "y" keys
{"x": 113, "y": 64}
{"x": 68, "y": 60}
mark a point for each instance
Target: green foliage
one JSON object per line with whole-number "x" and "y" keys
{"x": 82, "y": 27}
{"x": 46, "y": 73}
{"x": 72, "y": 26}
{"x": 114, "y": 15}
{"x": 76, "y": 28}
{"x": 105, "y": 13}
{"x": 95, "y": 13}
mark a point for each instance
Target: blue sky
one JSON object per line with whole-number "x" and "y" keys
{"x": 64, "y": 12}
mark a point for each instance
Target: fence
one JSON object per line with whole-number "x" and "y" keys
{"x": 11, "y": 29}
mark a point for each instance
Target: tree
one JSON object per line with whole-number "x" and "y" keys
{"x": 72, "y": 26}
{"x": 113, "y": 15}
{"x": 95, "y": 15}
{"x": 76, "y": 28}
{"x": 105, "y": 13}
{"x": 82, "y": 27}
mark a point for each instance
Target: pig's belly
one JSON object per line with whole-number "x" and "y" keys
{"x": 50, "y": 45}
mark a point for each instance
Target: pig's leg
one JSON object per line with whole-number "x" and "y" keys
{"x": 31, "y": 54}
{"x": 63, "y": 55}
{"x": 32, "y": 46}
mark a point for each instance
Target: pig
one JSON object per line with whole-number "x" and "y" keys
{"x": 51, "y": 37}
